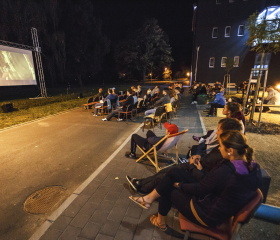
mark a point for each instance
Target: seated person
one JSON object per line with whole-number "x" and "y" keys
{"x": 150, "y": 140}
{"x": 189, "y": 170}
{"x": 128, "y": 101}
{"x": 163, "y": 100}
{"x": 273, "y": 98}
{"x": 219, "y": 102}
{"x": 231, "y": 110}
{"x": 221, "y": 194}
{"x": 111, "y": 96}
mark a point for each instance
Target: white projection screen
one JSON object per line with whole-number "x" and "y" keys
{"x": 16, "y": 67}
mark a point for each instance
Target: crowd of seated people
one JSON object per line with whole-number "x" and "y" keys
{"x": 214, "y": 185}
{"x": 117, "y": 103}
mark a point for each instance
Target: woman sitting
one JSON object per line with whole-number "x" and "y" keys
{"x": 218, "y": 196}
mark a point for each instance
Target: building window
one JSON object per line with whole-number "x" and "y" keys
{"x": 227, "y": 31}
{"x": 211, "y": 62}
{"x": 236, "y": 61}
{"x": 214, "y": 32}
{"x": 218, "y": 1}
{"x": 241, "y": 30}
{"x": 224, "y": 62}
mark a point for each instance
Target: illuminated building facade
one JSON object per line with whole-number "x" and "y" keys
{"x": 220, "y": 37}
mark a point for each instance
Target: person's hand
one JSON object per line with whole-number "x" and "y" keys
{"x": 176, "y": 185}
{"x": 194, "y": 159}
{"x": 198, "y": 165}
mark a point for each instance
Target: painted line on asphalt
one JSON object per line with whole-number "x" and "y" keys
{"x": 202, "y": 123}
{"x": 44, "y": 227}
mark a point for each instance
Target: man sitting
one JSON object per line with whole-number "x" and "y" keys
{"x": 150, "y": 140}
{"x": 128, "y": 101}
{"x": 163, "y": 100}
{"x": 193, "y": 171}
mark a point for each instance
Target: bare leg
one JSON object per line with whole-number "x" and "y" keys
{"x": 147, "y": 200}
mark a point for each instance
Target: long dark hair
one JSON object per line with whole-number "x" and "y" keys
{"x": 235, "y": 111}
{"x": 236, "y": 140}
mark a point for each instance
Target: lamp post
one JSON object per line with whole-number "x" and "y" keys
{"x": 196, "y": 62}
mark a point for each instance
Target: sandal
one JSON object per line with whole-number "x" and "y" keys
{"x": 153, "y": 220}
{"x": 142, "y": 204}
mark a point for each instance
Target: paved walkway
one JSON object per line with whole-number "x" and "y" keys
{"x": 103, "y": 211}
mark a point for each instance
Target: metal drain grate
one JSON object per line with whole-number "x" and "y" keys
{"x": 45, "y": 200}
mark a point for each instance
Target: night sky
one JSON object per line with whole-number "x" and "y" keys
{"x": 120, "y": 17}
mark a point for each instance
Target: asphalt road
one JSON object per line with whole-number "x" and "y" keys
{"x": 59, "y": 150}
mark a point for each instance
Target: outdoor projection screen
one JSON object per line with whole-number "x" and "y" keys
{"x": 16, "y": 67}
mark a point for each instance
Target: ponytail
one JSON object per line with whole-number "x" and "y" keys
{"x": 236, "y": 140}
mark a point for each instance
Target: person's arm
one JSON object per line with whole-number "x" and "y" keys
{"x": 208, "y": 184}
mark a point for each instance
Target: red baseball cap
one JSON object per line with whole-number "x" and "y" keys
{"x": 171, "y": 128}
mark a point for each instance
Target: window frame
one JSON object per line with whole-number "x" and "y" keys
{"x": 215, "y": 28}
{"x": 238, "y": 32}
{"x": 223, "y": 63}
{"x": 227, "y": 27}
{"x": 211, "y": 60}
{"x": 236, "y": 63}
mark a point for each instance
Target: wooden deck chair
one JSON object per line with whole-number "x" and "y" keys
{"x": 226, "y": 231}
{"x": 170, "y": 141}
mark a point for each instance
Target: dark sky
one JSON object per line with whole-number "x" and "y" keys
{"x": 120, "y": 17}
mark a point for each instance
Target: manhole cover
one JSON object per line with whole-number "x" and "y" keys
{"x": 44, "y": 200}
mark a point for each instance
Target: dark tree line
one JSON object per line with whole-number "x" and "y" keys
{"x": 74, "y": 46}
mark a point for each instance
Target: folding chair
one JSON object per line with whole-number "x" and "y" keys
{"x": 127, "y": 114}
{"x": 153, "y": 119}
{"x": 91, "y": 102}
{"x": 226, "y": 231}
{"x": 170, "y": 141}
{"x": 105, "y": 108}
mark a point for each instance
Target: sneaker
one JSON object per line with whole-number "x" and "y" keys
{"x": 130, "y": 155}
{"x": 195, "y": 138}
{"x": 119, "y": 119}
{"x": 104, "y": 119}
{"x": 193, "y": 103}
{"x": 133, "y": 183}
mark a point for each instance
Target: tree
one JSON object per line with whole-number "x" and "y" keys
{"x": 147, "y": 50}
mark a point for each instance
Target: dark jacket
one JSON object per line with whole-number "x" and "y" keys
{"x": 208, "y": 162}
{"x": 165, "y": 99}
{"x": 223, "y": 192}
{"x": 128, "y": 101}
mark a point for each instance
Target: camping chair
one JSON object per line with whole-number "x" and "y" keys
{"x": 170, "y": 141}
{"x": 226, "y": 231}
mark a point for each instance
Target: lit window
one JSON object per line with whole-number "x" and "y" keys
{"x": 212, "y": 62}
{"x": 241, "y": 30}
{"x": 236, "y": 61}
{"x": 214, "y": 32}
{"x": 224, "y": 62}
{"x": 218, "y": 1}
{"x": 227, "y": 31}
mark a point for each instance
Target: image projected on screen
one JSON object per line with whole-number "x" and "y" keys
{"x": 16, "y": 67}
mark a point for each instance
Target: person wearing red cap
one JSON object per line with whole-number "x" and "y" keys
{"x": 150, "y": 140}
